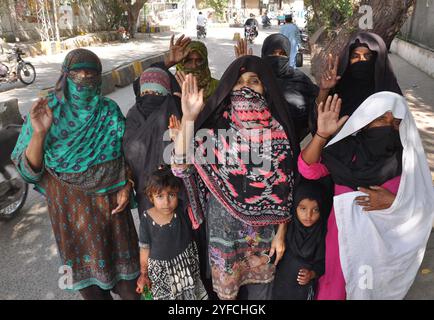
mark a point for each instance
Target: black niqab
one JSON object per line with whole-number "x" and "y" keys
{"x": 297, "y": 88}
{"x": 143, "y": 144}
{"x": 370, "y": 158}
{"x": 379, "y": 75}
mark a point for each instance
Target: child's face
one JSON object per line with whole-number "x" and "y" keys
{"x": 165, "y": 201}
{"x": 308, "y": 212}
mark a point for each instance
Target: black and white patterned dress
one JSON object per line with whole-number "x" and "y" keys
{"x": 173, "y": 264}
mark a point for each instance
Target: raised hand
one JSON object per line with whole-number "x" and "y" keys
{"x": 180, "y": 77}
{"x": 241, "y": 49}
{"x": 192, "y": 98}
{"x": 41, "y": 116}
{"x": 177, "y": 50}
{"x": 328, "y": 117}
{"x": 174, "y": 126}
{"x": 330, "y": 77}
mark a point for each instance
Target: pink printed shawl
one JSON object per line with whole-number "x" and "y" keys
{"x": 248, "y": 167}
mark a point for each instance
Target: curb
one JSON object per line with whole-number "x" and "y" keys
{"x": 126, "y": 74}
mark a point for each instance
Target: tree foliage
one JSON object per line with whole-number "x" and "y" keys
{"x": 219, "y": 6}
{"x": 330, "y": 13}
{"x": 386, "y": 19}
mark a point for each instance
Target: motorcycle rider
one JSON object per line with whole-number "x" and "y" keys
{"x": 252, "y": 24}
{"x": 265, "y": 20}
{"x": 201, "y": 23}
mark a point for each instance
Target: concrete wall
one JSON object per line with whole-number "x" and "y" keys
{"x": 415, "y": 43}
{"x": 71, "y": 21}
{"x": 421, "y": 58}
{"x": 419, "y": 28}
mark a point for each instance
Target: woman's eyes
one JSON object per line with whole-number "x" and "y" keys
{"x": 358, "y": 56}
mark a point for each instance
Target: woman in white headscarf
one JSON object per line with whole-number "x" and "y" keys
{"x": 384, "y": 202}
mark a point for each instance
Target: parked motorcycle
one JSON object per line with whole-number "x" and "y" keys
{"x": 13, "y": 189}
{"x": 250, "y": 33}
{"x": 201, "y": 32}
{"x": 17, "y": 69}
{"x": 302, "y": 49}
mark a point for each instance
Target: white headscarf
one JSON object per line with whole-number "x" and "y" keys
{"x": 381, "y": 251}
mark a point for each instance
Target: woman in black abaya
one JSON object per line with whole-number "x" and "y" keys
{"x": 297, "y": 88}
{"x": 362, "y": 69}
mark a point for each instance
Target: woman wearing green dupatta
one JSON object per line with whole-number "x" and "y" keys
{"x": 70, "y": 148}
{"x": 196, "y": 63}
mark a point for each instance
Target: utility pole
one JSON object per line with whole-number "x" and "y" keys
{"x": 44, "y": 21}
{"x": 56, "y": 26}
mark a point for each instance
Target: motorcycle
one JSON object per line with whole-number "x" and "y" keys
{"x": 13, "y": 189}
{"x": 302, "y": 48}
{"x": 201, "y": 32}
{"x": 250, "y": 33}
{"x": 18, "y": 69}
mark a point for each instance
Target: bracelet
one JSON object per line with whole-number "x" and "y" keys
{"x": 132, "y": 183}
{"x": 321, "y": 136}
{"x": 178, "y": 159}
{"x": 269, "y": 259}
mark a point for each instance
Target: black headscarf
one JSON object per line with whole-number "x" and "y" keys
{"x": 297, "y": 88}
{"x": 378, "y": 73}
{"x": 143, "y": 144}
{"x": 213, "y": 110}
{"x": 213, "y": 117}
{"x": 308, "y": 243}
{"x": 370, "y": 158}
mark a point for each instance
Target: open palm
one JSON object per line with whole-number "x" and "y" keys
{"x": 178, "y": 50}
{"x": 328, "y": 116}
{"x": 330, "y": 77}
{"x": 41, "y": 116}
{"x": 192, "y": 98}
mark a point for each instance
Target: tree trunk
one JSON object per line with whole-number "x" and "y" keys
{"x": 388, "y": 16}
{"x": 133, "y": 13}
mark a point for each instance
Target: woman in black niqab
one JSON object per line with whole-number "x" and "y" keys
{"x": 297, "y": 88}
{"x": 364, "y": 78}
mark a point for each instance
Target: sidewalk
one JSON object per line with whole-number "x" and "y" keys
{"x": 112, "y": 55}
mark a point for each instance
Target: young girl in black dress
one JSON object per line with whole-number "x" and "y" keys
{"x": 169, "y": 263}
{"x": 303, "y": 261}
